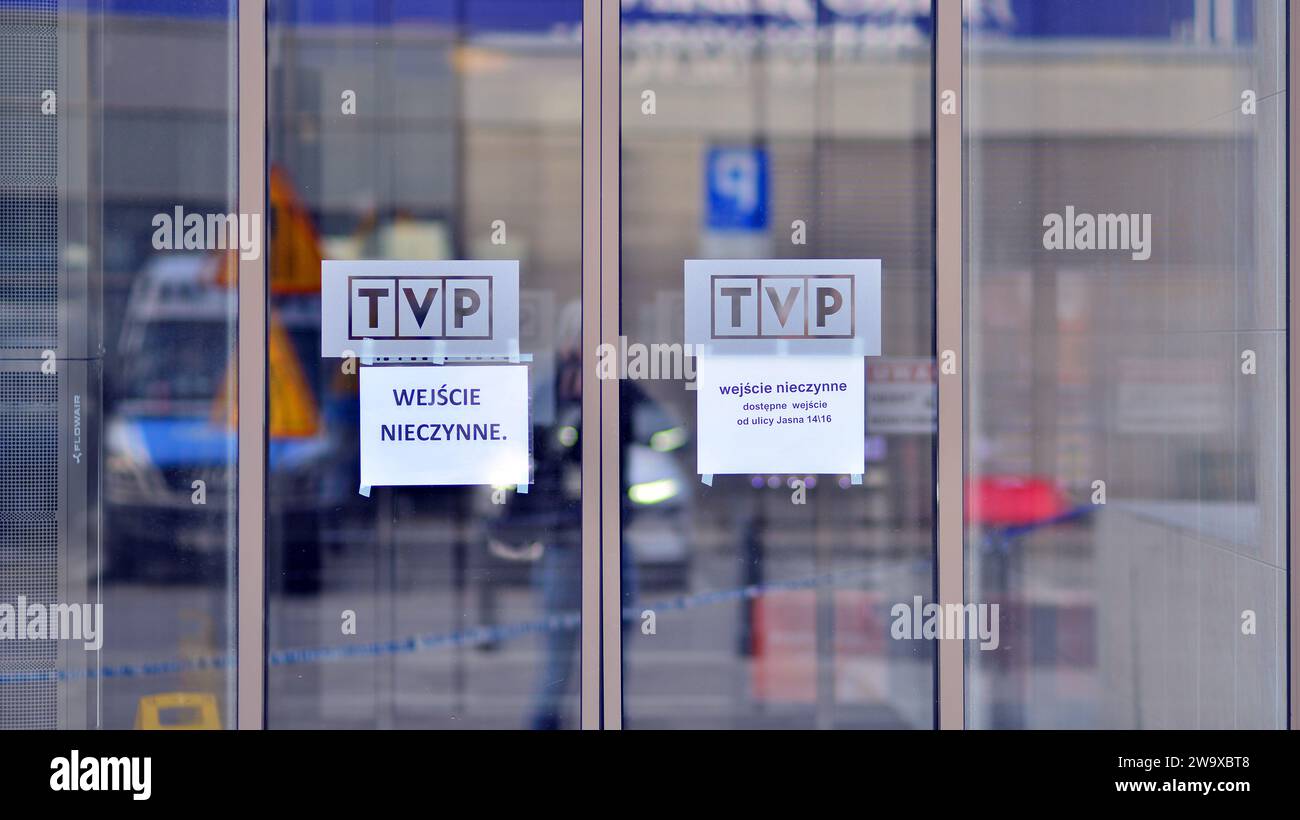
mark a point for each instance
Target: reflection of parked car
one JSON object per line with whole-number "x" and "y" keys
{"x": 166, "y": 430}
{"x": 658, "y": 495}
{"x": 655, "y": 508}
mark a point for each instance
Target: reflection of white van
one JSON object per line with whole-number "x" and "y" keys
{"x": 165, "y": 431}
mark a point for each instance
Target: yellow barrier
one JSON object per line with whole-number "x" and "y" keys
{"x": 199, "y": 707}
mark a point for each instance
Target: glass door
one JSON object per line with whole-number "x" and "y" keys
{"x": 776, "y": 237}
{"x": 1127, "y": 363}
{"x": 418, "y": 133}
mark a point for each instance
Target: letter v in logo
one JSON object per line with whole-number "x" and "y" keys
{"x": 782, "y": 308}
{"x": 419, "y": 309}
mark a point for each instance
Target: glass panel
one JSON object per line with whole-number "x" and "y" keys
{"x": 425, "y": 131}
{"x": 799, "y": 134}
{"x": 1127, "y": 362}
{"x": 116, "y": 513}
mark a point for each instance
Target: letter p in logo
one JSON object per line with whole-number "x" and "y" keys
{"x": 469, "y": 308}
{"x": 832, "y": 308}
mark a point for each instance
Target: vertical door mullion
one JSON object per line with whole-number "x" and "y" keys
{"x": 251, "y": 388}
{"x": 948, "y": 182}
{"x": 591, "y": 487}
{"x": 1292, "y": 42}
{"x": 611, "y": 446}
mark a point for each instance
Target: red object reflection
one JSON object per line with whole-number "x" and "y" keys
{"x": 1008, "y": 501}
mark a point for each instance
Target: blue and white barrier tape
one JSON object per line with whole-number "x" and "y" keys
{"x": 418, "y": 643}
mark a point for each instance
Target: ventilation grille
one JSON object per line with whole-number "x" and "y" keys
{"x": 29, "y": 151}
{"x": 29, "y": 537}
{"x": 29, "y": 305}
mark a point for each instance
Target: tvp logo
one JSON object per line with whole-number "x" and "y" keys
{"x": 771, "y": 306}
{"x": 419, "y": 309}
{"x": 783, "y": 307}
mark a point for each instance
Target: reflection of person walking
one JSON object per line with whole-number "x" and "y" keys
{"x": 559, "y": 584}
{"x": 552, "y": 515}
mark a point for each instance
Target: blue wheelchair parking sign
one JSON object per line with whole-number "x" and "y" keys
{"x": 736, "y": 189}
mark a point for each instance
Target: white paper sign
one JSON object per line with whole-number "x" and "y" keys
{"x": 463, "y": 424}
{"x": 758, "y": 414}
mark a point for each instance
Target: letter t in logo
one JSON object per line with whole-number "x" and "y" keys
{"x": 734, "y": 306}
{"x": 372, "y": 307}
{"x": 374, "y": 295}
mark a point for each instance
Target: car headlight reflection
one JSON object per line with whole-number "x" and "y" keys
{"x": 668, "y": 440}
{"x": 653, "y": 492}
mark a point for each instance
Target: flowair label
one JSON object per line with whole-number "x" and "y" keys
{"x": 76, "y": 428}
